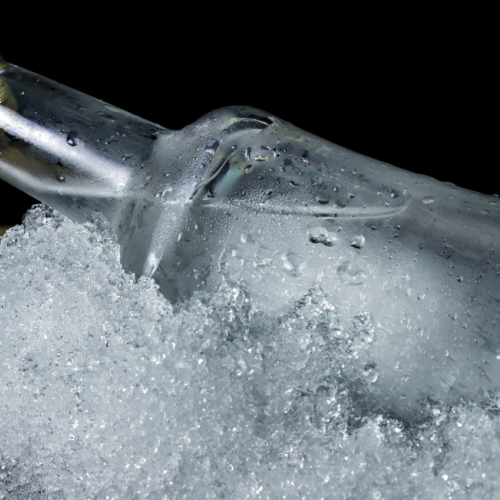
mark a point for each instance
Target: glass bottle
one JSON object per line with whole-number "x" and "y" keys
{"x": 243, "y": 197}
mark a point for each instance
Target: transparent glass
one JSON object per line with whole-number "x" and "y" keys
{"x": 241, "y": 196}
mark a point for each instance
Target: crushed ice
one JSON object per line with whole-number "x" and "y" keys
{"x": 107, "y": 391}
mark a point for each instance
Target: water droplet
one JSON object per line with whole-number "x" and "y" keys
{"x": 293, "y": 264}
{"x": 246, "y": 238}
{"x": 320, "y": 235}
{"x": 322, "y": 200}
{"x": 460, "y": 278}
{"x": 370, "y": 372}
{"x": 61, "y": 178}
{"x": 71, "y": 139}
{"x": 168, "y": 189}
{"x": 427, "y": 200}
{"x": 127, "y": 156}
{"x": 160, "y": 194}
{"x": 248, "y": 169}
{"x": 358, "y": 241}
{"x": 350, "y": 275}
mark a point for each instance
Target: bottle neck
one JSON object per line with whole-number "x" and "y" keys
{"x": 64, "y": 147}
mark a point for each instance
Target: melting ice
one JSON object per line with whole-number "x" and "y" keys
{"x": 109, "y": 391}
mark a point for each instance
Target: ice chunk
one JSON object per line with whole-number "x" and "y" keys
{"x": 107, "y": 390}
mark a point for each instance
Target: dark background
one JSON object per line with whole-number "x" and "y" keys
{"x": 419, "y": 98}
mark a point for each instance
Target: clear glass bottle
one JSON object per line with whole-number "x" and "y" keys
{"x": 241, "y": 196}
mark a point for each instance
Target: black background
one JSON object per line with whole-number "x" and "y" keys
{"x": 419, "y": 97}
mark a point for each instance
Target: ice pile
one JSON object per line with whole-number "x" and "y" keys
{"x": 109, "y": 392}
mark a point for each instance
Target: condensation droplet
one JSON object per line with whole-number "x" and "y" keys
{"x": 293, "y": 264}
{"x": 71, "y": 138}
{"x": 246, "y": 238}
{"x": 164, "y": 191}
{"x": 370, "y": 372}
{"x": 320, "y": 235}
{"x": 358, "y": 242}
